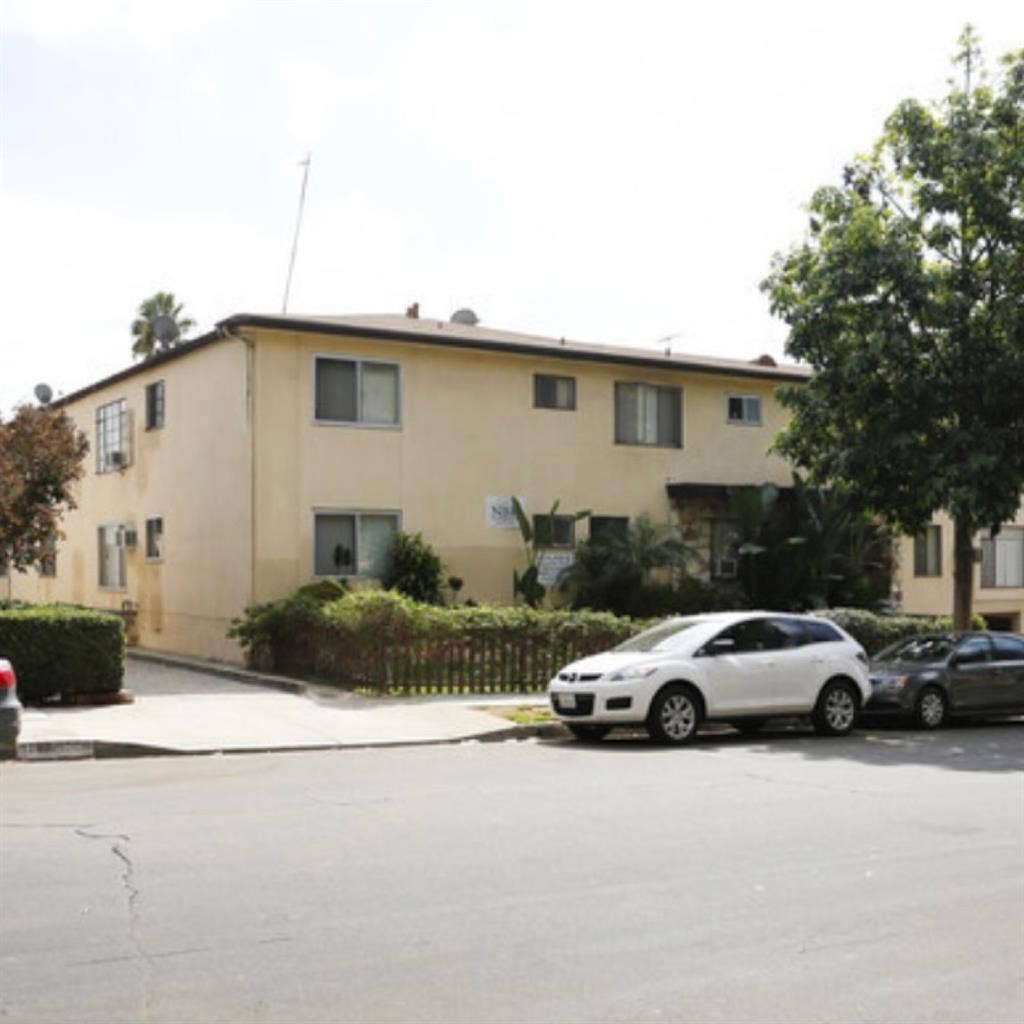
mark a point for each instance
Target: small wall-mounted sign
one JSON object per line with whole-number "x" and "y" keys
{"x": 551, "y": 565}
{"x": 499, "y": 514}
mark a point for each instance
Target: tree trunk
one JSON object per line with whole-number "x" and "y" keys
{"x": 963, "y": 573}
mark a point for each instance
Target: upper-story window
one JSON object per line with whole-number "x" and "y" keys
{"x": 155, "y": 405}
{"x": 743, "y": 409}
{"x": 357, "y": 391}
{"x": 1002, "y": 558}
{"x": 154, "y": 538}
{"x": 113, "y": 436}
{"x": 553, "y": 392}
{"x": 648, "y": 414}
{"x": 928, "y": 552}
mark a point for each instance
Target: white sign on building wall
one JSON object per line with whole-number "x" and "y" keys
{"x": 499, "y": 514}
{"x": 551, "y": 564}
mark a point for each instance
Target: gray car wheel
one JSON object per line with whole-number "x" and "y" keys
{"x": 675, "y": 715}
{"x": 931, "y": 708}
{"x": 835, "y": 714}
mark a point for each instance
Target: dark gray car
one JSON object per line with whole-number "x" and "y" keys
{"x": 932, "y": 677}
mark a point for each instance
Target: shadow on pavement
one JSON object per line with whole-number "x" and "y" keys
{"x": 994, "y": 746}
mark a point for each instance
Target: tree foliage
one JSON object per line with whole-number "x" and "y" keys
{"x": 614, "y": 572}
{"x": 160, "y": 304}
{"x": 907, "y": 298}
{"x": 41, "y": 456}
{"x": 808, "y": 547}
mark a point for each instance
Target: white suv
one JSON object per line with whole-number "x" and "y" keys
{"x": 740, "y": 667}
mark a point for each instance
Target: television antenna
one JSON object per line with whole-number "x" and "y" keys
{"x": 667, "y": 341}
{"x": 304, "y": 164}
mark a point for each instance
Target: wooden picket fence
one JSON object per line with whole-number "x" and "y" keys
{"x": 462, "y": 664}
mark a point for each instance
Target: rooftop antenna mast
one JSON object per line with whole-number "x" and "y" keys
{"x": 298, "y": 224}
{"x": 667, "y": 341}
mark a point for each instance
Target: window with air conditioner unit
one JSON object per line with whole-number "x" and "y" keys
{"x": 113, "y": 437}
{"x": 725, "y": 561}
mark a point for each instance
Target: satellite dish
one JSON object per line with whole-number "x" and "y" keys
{"x": 165, "y": 330}
{"x": 44, "y": 393}
{"x": 465, "y": 316}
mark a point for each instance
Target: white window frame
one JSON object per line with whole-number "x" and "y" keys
{"x": 155, "y": 559}
{"x": 744, "y": 398}
{"x": 105, "y": 462}
{"x": 678, "y": 388}
{"x": 359, "y": 361}
{"x": 123, "y": 561}
{"x": 356, "y": 513}
{"x": 993, "y": 570}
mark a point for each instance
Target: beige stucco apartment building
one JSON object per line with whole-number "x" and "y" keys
{"x": 925, "y": 573}
{"x": 276, "y": 450}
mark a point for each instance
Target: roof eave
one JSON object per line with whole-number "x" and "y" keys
{"x": 266, "y": 322}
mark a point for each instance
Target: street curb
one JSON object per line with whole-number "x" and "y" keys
{"x": 100, "y": 750}
{"x": 216, "y": 668}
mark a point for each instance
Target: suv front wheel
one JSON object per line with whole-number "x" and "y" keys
{"x": 675, "y": 715}
{"x": 835, "y": 714}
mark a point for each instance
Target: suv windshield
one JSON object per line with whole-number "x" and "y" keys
{"x": 658, "y": 638}
{"x": 919, "y": 648}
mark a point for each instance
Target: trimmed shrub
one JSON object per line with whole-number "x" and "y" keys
{"x": 415, "y": 569}
{"x": 58, "y": 650}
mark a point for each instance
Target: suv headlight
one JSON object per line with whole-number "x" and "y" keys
{"x": 632, "y": 672}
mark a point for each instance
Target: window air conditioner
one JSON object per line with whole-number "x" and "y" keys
{"x": 727, "y": 568}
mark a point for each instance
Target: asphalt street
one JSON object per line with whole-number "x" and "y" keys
{"x": 790, "y": 878}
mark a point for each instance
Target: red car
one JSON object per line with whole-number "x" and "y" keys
{"x": 10, "y": 710}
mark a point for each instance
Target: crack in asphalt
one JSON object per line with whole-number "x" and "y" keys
{"x": 119, "y": 849}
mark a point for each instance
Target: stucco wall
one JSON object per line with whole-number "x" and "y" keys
{"x": 194, "y": 472}
{"x": 469, "y": 431}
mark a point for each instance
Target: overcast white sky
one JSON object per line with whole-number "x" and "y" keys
{"x": 607, "y": 172}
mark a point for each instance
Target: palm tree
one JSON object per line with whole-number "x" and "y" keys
{"x": 158, "y": 305}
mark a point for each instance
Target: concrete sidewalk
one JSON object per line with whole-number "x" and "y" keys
{"x": 183, "y": 706}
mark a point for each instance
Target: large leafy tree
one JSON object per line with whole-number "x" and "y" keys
{"x": 162, "y": 304}
{"x": 41, "y": 456}
{"x": 907, "y": 298}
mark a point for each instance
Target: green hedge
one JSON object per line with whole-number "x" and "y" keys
{"x": 381, "y": 640}
{"x": 873, "y": 632}
{"x": 59, "y": 650}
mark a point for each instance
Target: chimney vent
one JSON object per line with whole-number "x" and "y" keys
{"x": 413, "y": 311}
